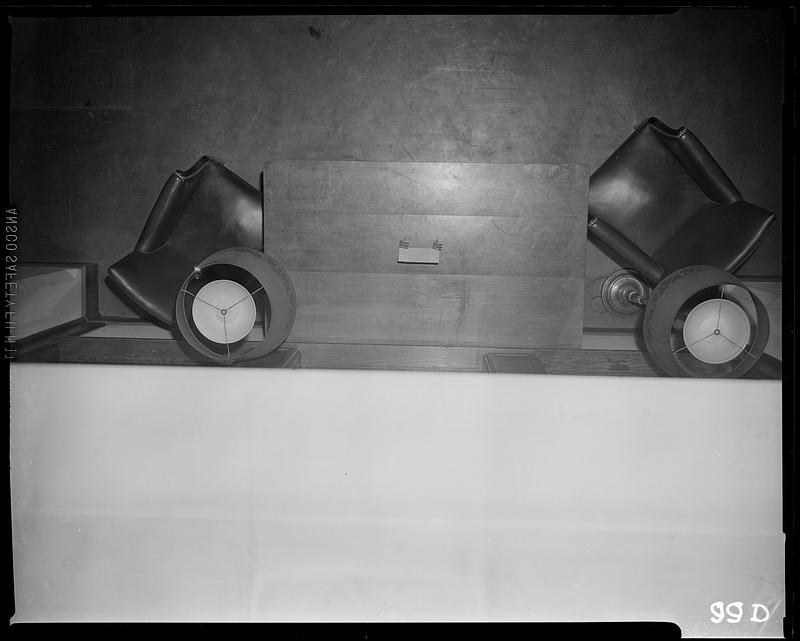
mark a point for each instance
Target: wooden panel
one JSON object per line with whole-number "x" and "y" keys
{"x": 510, "y": 272}
{"x": 32, "y": 347}
{"x": 513, "y": 363}
{"x": 138, "y": 351}
{"x": 389, "y": 357}
{"x": 532, "y": 245}
{"x": 595, "y": 362}
{"x": 571, "y": 362}
{"x": 492, "y": 311}
{"x": 581, "y": 362}
{"x": 47, "y": 353}
{"x": 424, "y": 188}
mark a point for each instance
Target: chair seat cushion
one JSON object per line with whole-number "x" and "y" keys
{"x": 718, "y": 235}
{"x": 153, "y": 280}
{"x": 644, "y": 191}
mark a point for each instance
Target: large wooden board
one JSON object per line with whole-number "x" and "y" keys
{"x": 511, "y": 267}
{"x": 400, "y": 309}
{"x": 486, "y": 245}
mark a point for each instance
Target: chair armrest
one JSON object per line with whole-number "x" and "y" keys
{"x": 722, "y": 236}
{"x": 624, "y": 250}
{"x": 698, "y": 162}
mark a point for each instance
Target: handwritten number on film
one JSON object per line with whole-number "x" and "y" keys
{"x": 735, "y": 612}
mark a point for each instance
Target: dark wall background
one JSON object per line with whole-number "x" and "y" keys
{"x": 103, "y": 109}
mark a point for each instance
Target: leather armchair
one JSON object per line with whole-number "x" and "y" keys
{"x": 661, "y": 202}
{"x": 667, "y": 213}
{"x": 202, "y": 210}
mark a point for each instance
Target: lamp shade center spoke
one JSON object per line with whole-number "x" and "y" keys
{"x": 231, "y": 315}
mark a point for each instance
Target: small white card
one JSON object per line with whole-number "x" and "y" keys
{"x": 423, "y": 255}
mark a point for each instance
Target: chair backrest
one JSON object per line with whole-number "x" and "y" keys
{"x": 203, "y": 209}
{"x": 655, "y": 182}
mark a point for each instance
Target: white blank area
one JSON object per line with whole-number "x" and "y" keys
{"x": 171, "y": 493}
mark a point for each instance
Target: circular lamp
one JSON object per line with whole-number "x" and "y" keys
{"x": 702, "y": 321}
{"x": 230, "y": 295}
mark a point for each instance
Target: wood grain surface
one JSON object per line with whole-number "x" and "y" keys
{"x": 573, "y": 362}
{"x": 146, "y": 351}
{"x": 511, "y": 267}
{"x": 581, "y": 362}
{"x": 530, "y": 245}
{"x": 423, "y": 188}
{"x": 414, "y": 309}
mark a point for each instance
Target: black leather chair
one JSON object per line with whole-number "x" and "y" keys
{"x": 666, "y": 212}
{"x": 202, "y": 210}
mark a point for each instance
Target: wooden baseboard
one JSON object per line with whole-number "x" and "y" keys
{"x": 588, "y": 362}
{"x": 140, "y": 351}
{"x": 573, "y": 362}
{"x": 31, "y": 345}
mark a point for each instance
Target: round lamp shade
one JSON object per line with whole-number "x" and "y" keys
{"x": 702, "y": 321}
{"x": 228, "y": 296}
{"x": 716, "y": 331}
{"x": 224, "y": 311}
